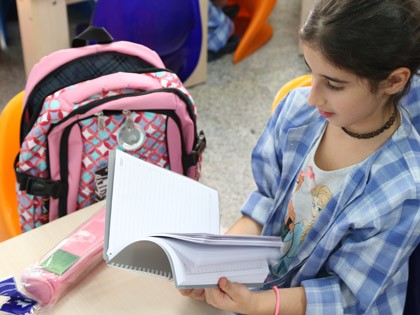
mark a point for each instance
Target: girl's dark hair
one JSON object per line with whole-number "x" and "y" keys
{"x": 370, "y": 38}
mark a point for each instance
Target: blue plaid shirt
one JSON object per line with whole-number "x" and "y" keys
{"x": 219, "y": 28}
{"x": 354, "y": 260}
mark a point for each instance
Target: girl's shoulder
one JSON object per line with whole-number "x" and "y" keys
{"x": 401, "y": 156}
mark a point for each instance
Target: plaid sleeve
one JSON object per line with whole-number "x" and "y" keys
{"x": 267, "y": 159}
{"x": 219, "y": 28}
{"x": 323, "y": 296}
{"x": 265, "y": 171}
{"x": 368, "y": 272}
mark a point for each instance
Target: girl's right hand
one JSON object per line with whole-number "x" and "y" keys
{"x": 196, "y": 294}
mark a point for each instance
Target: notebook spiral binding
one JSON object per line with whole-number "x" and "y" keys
{"x": 149, "y": 271}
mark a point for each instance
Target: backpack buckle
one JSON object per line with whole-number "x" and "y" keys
{"x": 194, "y": 157}
{"x": 41, "y": 186}
{"x": 201, "y": 143}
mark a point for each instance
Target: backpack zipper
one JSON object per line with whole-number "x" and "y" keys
{"x": 64, "y": 154}
{"x": 93, "y": 104}
{"x": 34, "y": 102}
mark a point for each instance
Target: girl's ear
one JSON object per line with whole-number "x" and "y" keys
{"x": 397, "y": 80}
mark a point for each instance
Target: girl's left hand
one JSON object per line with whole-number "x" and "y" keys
{"x": 231, "y": 296}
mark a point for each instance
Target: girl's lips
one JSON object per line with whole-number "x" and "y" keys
{"x": 325, "y": 114}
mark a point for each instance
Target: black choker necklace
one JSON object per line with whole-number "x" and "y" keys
{"x": 372, "y": 134}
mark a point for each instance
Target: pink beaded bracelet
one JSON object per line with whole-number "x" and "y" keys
{"x": 277, "y": 309}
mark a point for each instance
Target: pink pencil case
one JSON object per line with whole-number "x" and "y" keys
{"x": 47, "y": 279}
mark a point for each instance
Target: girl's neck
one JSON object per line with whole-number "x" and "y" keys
{"x": 372, "y": 134}
{"x": 337, "y": 149}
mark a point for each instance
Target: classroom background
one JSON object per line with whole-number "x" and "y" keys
{"x": 233, "y": 104}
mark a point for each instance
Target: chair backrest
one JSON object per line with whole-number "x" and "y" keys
{"x": 252, "y": 26}
{"x": 304, "y": 80}
{"x": 9, "y": 146}
{"x": 411, "y": 102}
{"x": 171, "y": 28}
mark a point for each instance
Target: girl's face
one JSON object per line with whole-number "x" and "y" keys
{"x": 344, "y": 99}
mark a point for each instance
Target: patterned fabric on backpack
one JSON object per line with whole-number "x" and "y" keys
{"x": 70, "y": 124}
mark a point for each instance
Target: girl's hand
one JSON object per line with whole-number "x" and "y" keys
{"x": 228, "y": 296}
{"x": 231, "y": 296}
{"x": 196, "y": 294}
{"x": 235, "y": 297}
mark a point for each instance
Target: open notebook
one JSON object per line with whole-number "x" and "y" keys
{"x": 163, "y": 223}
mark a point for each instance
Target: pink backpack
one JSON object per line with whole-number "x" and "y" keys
{"x": 82, "y": 102}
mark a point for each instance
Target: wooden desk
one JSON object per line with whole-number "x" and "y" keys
{"x": 106, "y": 290}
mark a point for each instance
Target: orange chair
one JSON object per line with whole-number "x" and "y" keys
{"x": 252, "y": 26}
{"x": 9, "y": 145}
{"x": 304, "y": 80}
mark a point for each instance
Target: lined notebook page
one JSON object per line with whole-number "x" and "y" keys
{"x": 148, "y": 199}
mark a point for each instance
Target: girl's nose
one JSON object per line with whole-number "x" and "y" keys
{"x": 315, "y": 95}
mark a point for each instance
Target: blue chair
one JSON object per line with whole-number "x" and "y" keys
{"x": 412, "y": 302}
{"x": 171, "y": 28}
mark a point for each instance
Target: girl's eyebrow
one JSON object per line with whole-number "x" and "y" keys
{"x": 334, "y": 79}
{"x": 328, "y": 77}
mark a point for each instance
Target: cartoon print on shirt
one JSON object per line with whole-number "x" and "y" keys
{"x": 296, "y": 227}
{"x": 321, "y": 194}
{"x": 289, "y": 221}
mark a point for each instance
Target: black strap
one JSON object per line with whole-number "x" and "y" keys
{"x": 193, "y": 158}
{"x": 92, "y": 33}
{"x": 43, "y": 187}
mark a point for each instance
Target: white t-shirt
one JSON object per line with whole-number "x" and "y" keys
{"x": 313, "y": 190}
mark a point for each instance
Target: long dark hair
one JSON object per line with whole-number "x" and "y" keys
{"x": 370, "y": 38}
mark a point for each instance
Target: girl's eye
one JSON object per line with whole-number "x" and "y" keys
{"x": 333, "y": 87}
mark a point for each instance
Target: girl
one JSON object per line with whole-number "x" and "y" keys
{"x": 349, "y": 130}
